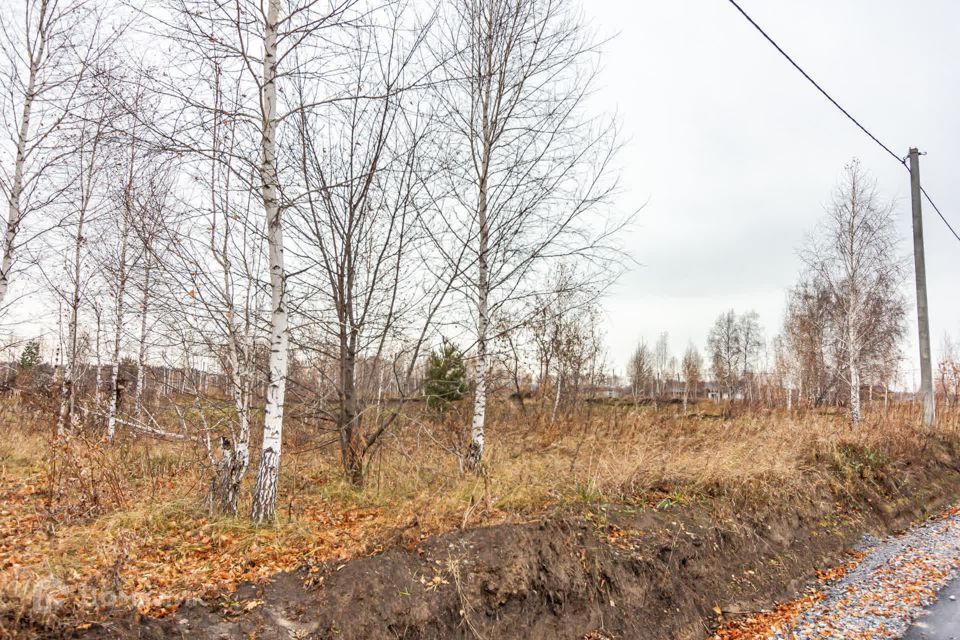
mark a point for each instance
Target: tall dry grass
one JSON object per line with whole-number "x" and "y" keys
{"x": 85, "y": 526}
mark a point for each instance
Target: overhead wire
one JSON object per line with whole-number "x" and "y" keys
{"x": 823, "y": 91}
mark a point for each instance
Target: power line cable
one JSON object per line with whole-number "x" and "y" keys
{"x": 937, "y": 209}
{"x": 806, "y": 75}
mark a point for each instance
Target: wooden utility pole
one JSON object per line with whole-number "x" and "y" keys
{"x": 923, "y": 320}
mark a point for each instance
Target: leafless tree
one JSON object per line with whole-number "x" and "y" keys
{"x": 260, "y": 48}
{"x": 853, "y": 261}
{"x": 47, "y": 48}
{"x": 751, "y": 346}
{"x": 359, "y": 236}
{"x": 810, "y": 336}
{"x": 661, "y": 363}
{"x": 948, "y": 372}
{"x": 734, "y": 344}
{"x": 527, "y": 169}
{"x": 89, "y": 138}
{"x": 564, "y": 335}
{"x": 640, "y": 370}
{"x": 692, "y": 367}
{"x": 154, "y": 198}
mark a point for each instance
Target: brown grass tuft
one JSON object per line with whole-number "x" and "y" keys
{"x": 86, "y": 527}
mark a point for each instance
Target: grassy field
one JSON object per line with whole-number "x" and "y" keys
{"x": 86, "y": 527}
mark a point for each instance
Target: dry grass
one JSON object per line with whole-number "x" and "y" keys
{"x": 87, "y": 527}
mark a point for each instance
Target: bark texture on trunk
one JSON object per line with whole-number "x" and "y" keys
{"x": 227, "y": 476}
{"x": 14, "y": 205}
{"x": 142, "y": 351}
{"x": 115, "y": 388}
{"x": 854, "y": 366}
{"x": 65, "y": 415}
{"x": 475, "y": 452}
{"x": 351, "y": 446}
{"x": 268, "y": 473}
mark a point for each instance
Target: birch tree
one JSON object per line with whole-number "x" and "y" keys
{"x": 640, "y": 370}
{"x": 47, "y": 47}
{"x": 118, "y": 268}
{"x": 154, "y": 200}
{"x": 260, "y": 47}
{"x": 725, "y": 350}
{"x": 527, "y": 167}
{"x": 564, "y": 330}
{"x": 661, "y": 361}
{"x": 213, "y": 301}
{"x": 733, "y": 346}
{"x": 692, "y": 369}
{"x": 90, "y": 140}
{"x": 854, "y": 260}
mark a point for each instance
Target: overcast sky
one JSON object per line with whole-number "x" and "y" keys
{"x": 736, "y": 154}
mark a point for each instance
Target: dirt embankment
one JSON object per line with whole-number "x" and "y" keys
{"x": 615, "y": 572}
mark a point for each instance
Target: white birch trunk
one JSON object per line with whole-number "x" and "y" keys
{"x": 268, "y": 473}
{"x": 853, "y": 363}
{"x": 98, "y": 377}
{"x": 235, "y": 460}
{"x": 14, "y": 213}
{"x": 114, "y": 400}
{"x": 475, "y": 452}
{"x": 142, "y": 352}
{"x": 556, "y": 397}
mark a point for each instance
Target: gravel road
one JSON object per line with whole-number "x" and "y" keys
{"x": 896, "y": 580}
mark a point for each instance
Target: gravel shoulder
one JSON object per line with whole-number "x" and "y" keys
{"x": 897, "y": 579}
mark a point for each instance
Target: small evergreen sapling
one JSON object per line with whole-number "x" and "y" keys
{"x": 445, "y": 378}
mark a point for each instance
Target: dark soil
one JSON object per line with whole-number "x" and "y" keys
{"x": 613, "y": 572}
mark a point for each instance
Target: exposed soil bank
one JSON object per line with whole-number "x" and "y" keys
{"x": 617, "y": 572}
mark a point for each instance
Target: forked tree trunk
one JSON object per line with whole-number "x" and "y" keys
{"x": 268, "y": 473}
{"x": 235, "y": 457}
{"x": 228, "y": 474}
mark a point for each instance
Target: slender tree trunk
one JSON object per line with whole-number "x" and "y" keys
{"x": 475, "y": 452}
{"x": 556, "y": 398}
{"x": 142, "y": 352}
{"x": 98, "y": 376}
{"x": 233, "y": 464}
{"x": 66, "y": 387}
{"x": 115, "y": 389}
{"x": 268, "y": 473}
{"x": 14, "y": 212}
{"x": 854, "y": 365}
{"x": 235, "y": 457}
{"x": 351, "y": 453}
